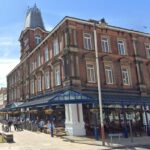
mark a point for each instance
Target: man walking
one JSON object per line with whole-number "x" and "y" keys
{"x": 51, "y": 127}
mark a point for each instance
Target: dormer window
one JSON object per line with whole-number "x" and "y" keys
{"x": 38, "y": 39}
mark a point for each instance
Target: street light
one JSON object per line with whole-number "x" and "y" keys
{"x": 99, "y": 87}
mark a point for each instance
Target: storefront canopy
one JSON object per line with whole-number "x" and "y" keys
{"x": 125, "y": 99}
{"x": 11, "y": 106}
{"x": 65, "y": 97}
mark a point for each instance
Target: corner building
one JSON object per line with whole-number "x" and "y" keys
{"x": 57, "y": 70}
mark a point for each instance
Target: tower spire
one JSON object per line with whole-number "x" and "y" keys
{"x": 33, "y": 18}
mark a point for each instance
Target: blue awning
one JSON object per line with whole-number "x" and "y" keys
{"x": 125, "y": 99}
{"x": 64, "y": 97}
{"x": 11, "y": 106}
{"x": 71, "y": 97}
{"x": 122, "y": 99}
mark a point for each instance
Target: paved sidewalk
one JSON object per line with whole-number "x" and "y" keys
{"x": 116, "y": 143}
{"x": 26, "y": 140}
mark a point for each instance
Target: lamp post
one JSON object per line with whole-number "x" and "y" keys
{"x": 99, "y": 87}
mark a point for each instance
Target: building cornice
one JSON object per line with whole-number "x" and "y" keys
{"x": 27, "y": 29}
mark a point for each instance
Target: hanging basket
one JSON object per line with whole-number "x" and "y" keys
{"x": 48, "y": 111}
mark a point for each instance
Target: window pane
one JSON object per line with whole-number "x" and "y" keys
{"x": 37, "y": 39}
{"x": 46, "y": 54}
{"x": 87, "y": 41}
{"x": 108, "y": 75}
{"x": 47, "y": 80}
{"x": 55, "y": 47}
{"x": 57, "y": 76}
{"x": 125, "y": 76}
{"x": 105, "y": 45}
{"x": 91, "y": 73}
{"x": 121, "y": 48}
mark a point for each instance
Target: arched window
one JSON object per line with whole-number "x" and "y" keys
{"x": 37, "y": 39}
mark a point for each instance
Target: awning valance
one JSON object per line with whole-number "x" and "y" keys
{"x": 125, "y": 99}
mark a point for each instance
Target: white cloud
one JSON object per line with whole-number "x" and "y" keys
{"x": 8, "y": 47}
{"x": 6, "y": 65}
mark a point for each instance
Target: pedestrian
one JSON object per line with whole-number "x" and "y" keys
{"x": 9, "y": 125}
{"x": 15, "y": 124}
{"x": 41, "y": 125}
{"x": 51, "y": 128}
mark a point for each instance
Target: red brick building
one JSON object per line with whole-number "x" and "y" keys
{"x": 62, "y": 61}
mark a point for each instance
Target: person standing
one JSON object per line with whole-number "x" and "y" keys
{"x": 51, "y": 127}
{"x": 41, "y": 125}
{"x": 9, "y": 125}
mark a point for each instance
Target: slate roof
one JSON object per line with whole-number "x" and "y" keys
{"x": 34, "y": 18}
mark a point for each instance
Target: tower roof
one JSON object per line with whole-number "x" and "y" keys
{"x": 33, "y": 18}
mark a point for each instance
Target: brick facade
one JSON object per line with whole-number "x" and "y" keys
{"x": 73, "y": 58}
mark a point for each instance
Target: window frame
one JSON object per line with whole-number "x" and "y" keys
{"x": 108, "y": 42}
{"x": 109, "y": 77}
{"x": 120, "y": 46}
{"x": 91, "y": 73}
{"x": 57, "y": 76}
{"x": 32, "y": 82}
{"x": 127, "y": 74}
{"x": 37, "y": 39}
{"x": 39, "y": 83}
{"x": 47, "y": 79}
{"x": 87, "y": 41}
{"x": 147, "y": 47}
{"x": 46, "y": 54}
{"x": 55, "y": 47}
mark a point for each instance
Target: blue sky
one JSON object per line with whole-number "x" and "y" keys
{"x": 132, "y": 14}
